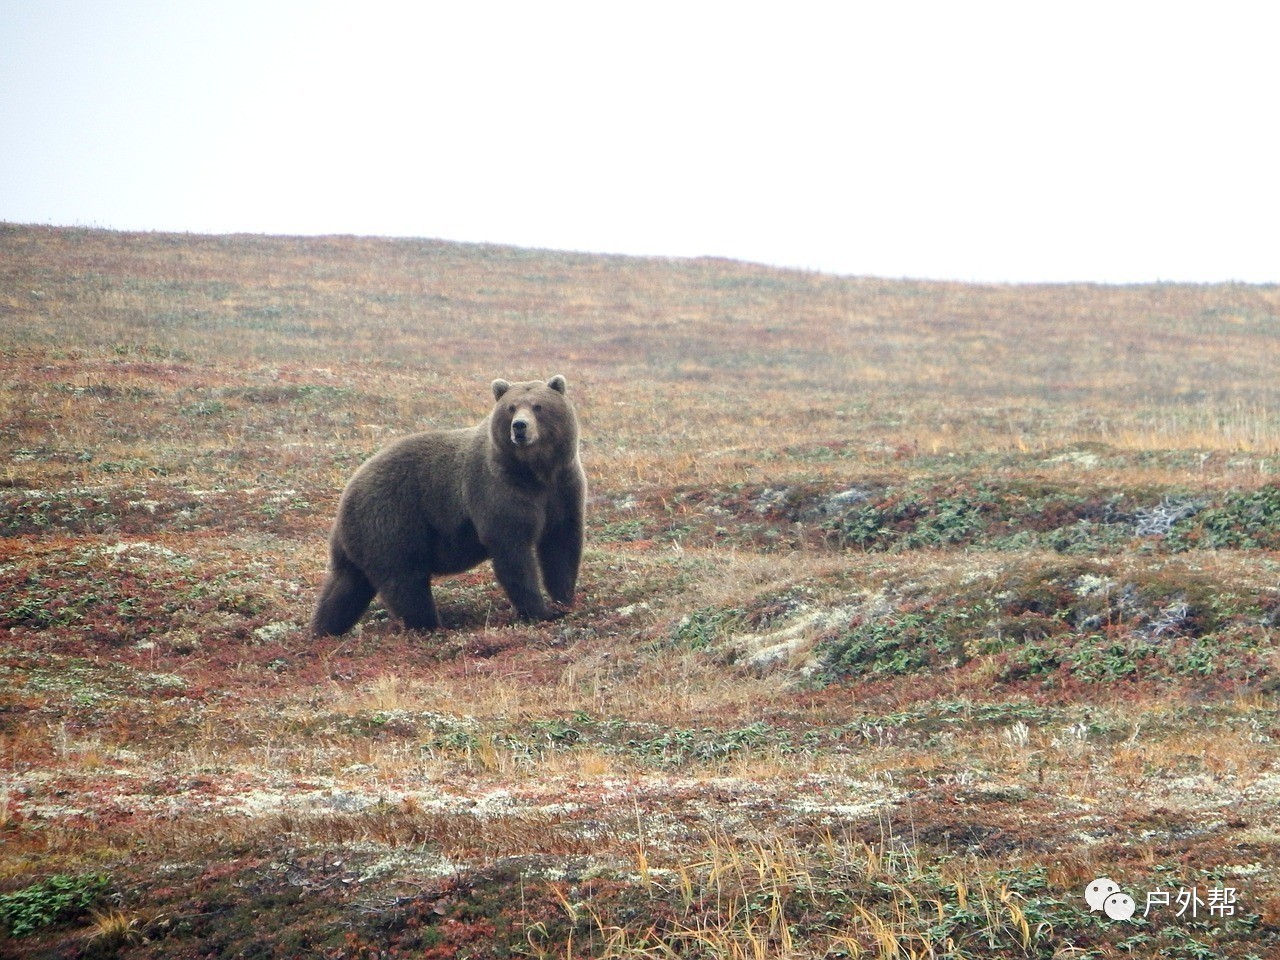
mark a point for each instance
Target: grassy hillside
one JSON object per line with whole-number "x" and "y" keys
{"x": 908, "y": 610}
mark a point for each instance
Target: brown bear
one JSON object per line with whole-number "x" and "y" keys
{"x": 510, "y": 489}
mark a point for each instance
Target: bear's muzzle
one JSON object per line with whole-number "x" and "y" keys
{"x": 523, "y": 432}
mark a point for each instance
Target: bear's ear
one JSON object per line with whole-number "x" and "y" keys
{"x": 558, "y": 383}
{"x": 499, "y": 388}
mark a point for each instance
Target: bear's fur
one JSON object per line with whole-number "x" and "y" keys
{"x": 510, "y": 489}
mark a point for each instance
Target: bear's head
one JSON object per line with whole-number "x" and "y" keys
{"x": 534, "y": 423}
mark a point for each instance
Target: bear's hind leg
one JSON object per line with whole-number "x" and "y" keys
{"x": 344, "y": 597}
{"x": 409, "y": 598}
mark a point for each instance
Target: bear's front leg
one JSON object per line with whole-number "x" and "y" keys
{"x": 517, "y": 571}
{"x": 560, "y": 554}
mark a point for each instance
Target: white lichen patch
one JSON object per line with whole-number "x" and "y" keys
{"x": 1090, "y": 583}
{"x": 274, "y": 632}
{"x": 404, "y": 863}
{"x": 1076, "y": 458}
{"x": 790, "y": 642}
{"x": 838, "y": 799}
{"x": 136, "y": 549}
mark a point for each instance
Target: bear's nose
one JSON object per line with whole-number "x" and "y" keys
{"x": 519, "y": 427}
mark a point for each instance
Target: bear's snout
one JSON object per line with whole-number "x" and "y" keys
{"x": 524, "y": 431}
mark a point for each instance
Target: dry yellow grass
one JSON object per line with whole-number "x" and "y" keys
{"x": 702, "y": 371}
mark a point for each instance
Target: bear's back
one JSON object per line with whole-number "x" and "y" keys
{"x": 407, "y": 487}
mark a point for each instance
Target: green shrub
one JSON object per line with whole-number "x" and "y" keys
{"x": 906, "y": 643}
{"x": 1244, "y": 520}
{"x": 58, "y": 898}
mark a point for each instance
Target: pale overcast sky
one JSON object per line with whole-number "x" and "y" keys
{"x": 1030, "y": 141}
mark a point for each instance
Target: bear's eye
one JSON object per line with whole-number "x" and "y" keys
{"x": 511, "y": 409}
{"x": 537, "y": 408}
